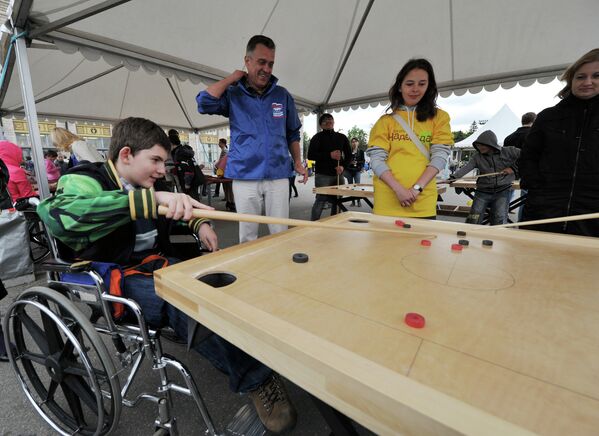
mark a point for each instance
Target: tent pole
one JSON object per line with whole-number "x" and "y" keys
{"x": 31, "y": 114}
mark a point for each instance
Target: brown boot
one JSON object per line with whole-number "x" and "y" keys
{"x": 273, "y": 406}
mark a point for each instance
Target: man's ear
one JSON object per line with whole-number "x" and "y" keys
{"x": 125, "y": 155}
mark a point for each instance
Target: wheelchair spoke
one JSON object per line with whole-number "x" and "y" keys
{"x": 74, "y": 403}
{"x": 77, "y": 369}
{"x": 34, "y": 357}
{"x": 36, "y": 332}
{"x": 82, "y": 390}
{"x": 55, "y": 342}
{"x": 51, "y": 391}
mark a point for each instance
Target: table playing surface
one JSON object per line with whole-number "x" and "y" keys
{"x": 510, "y": 343}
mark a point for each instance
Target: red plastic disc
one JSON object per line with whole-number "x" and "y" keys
{"x": 414, "y": 320}
{"x": 425, "y": 242}
{"x": 399, "y": 223}
{"x": 456, "y": 247}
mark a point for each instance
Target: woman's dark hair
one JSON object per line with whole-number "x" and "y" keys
{"x": 173, "y": 136}
{"x": 137, "y": 134}
{"x": 427, "y": 106}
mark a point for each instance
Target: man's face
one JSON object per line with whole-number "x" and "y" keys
{"x": 328, "y": 123}
{"x": 145, "y": 167}
{"x": 354, "y": 143}
{"x": 484, "y": 149}
{"x": 259, "y": 65}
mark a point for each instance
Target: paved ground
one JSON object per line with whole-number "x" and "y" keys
{"x": 17, "y": 416}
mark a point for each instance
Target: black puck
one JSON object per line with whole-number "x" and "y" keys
{"x": 487, "y": 242}
{"x": 464, "y": 242}
{"x": 407, "y": 226}
{"x": 300, "y": 257}
{"x": 461, "y": 233}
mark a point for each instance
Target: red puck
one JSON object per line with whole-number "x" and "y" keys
{"x": 456, "y": 247}
{"x": 399, "y": 223}
{"x": 414, "y": 320}
{"x": 425, "y": 243}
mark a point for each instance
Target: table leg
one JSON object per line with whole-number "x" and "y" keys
{"x": 339, "y": 424}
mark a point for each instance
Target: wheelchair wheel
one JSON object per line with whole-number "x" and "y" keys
{"x": 62, "y": 364}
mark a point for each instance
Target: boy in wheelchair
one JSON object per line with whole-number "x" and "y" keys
{"x": 107, "y": 212}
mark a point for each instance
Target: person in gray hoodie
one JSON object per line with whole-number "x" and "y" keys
{"x": 493, "y": 191}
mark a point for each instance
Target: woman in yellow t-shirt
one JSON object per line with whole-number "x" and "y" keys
{"x": 404, "y": 182}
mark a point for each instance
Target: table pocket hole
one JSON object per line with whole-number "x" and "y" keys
{"x": 218, "y": 279}
{"x": 359, "y": 221}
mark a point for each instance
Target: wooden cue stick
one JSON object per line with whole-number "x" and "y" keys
{"x": 473, "y": 177}
{"x": 232, "y": 216}
{"x": 586, "y": 216}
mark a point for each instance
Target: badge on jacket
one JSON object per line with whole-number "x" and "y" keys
{"x": 277, "y": 110}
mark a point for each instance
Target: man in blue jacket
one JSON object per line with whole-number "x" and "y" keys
{"x": 265, "y": 131}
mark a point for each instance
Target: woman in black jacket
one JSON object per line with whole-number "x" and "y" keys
{"x": 559, "y": 164}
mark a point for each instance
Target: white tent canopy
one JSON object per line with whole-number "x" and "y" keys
{"x": 502, "y": 124}
{"x": 330, "y": 54}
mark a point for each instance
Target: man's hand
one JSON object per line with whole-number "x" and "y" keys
{"x": 507, "y": 170}
{"x": 237, "y": 75}
{"x": 339, "y": 169}
{"x": 208, "y": 237}
{"x": 180, "y": 206}
{"x": 299, "y": 168}
{"x": 336, "y": 155}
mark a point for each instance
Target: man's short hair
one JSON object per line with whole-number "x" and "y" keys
{"x": 259, "y": 39}
{"x": 137, "y": 134}
{"x": 324, "y": 117}
{"x": 222, "y": 141}
{"x": 529, "y": 118}
{"x": 355, "y": 139}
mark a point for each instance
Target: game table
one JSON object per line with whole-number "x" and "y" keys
{"x": 353, "y": 192}
{"x": 213, "y": 180}
{"x": 469, "y": 186}
{"x": 510, "y": 343}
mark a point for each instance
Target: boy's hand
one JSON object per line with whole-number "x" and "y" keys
{"x": 208, "y": 237}
{"x": 507, "y": 170}
{"x": 336, "y": 155}
{"x": 180, "y": 206}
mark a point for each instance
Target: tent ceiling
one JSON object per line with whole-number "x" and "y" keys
{"x": 472, "y": 43}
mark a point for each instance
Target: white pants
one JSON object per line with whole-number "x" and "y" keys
{"x": 252, "y": 195}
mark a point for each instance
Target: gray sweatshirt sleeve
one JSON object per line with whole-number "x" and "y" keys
{"x": 378, "y": 160}
{"x": 465, "y": 169}
{"x": 439, "y": 155}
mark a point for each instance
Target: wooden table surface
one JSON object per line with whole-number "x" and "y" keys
{"x": 362, "y": 190}
{"x": 510, "y": 345}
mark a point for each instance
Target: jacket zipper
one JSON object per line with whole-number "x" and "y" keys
{"x": 584, "y": 116}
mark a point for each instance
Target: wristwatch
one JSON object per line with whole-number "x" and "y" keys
{"x": 417, "y": 187}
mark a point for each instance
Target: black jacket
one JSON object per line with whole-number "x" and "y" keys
{"x": 321, "y": 146}
{"x": 517, "y": 138}
{"x": 5, "y": 200}
{"x": 357, "y": 160}
{"x": 559, "y": 165}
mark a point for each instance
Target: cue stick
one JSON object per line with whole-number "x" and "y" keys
{"x": 586, "y": 216}
{"x": 473, "y": 177}
{"x": 232, "y": 216}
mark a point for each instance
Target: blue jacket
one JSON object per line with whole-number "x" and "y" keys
{"x": 262, "y": 128}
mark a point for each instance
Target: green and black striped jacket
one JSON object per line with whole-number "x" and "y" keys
{"x": 92, "y": 215}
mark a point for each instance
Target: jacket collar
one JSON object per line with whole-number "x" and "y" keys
{"x": 113, "y": 174}
{"x": 245, "y": 86}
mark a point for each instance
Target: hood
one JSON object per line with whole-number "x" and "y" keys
{"x": 487, "y": 138}
{"x": 11, "y": 153}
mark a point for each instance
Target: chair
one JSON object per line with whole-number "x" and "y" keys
{"x": 65, "y": 367}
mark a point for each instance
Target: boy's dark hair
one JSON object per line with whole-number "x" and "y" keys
{"x": 222, "y": 141}
{"x": 51, "y": 154}
{"x": 137, "y": 134}
{"x": 259, "y": 39}
{"x": 427, "y": 106}
{"x": 529, "y": 118}
{"x": 323, "y": 118}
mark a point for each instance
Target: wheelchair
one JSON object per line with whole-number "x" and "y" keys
{"x": 65, "y": 367}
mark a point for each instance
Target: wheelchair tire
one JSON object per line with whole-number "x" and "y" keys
{"x": 62, "y": 363}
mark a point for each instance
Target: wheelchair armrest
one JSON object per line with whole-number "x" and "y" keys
{"x": 60, "y": 266}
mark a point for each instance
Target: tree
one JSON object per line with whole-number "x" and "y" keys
{"x": 356, "y": 132}
{"x": 459, "y": 135}
{"x": 305, "y": 144}
{"x": 473, "y": 128}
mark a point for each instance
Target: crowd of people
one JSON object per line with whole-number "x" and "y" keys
{"x": 556, "y": 156}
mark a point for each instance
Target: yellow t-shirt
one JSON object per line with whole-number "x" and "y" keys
{"x": 407, "y": 163}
